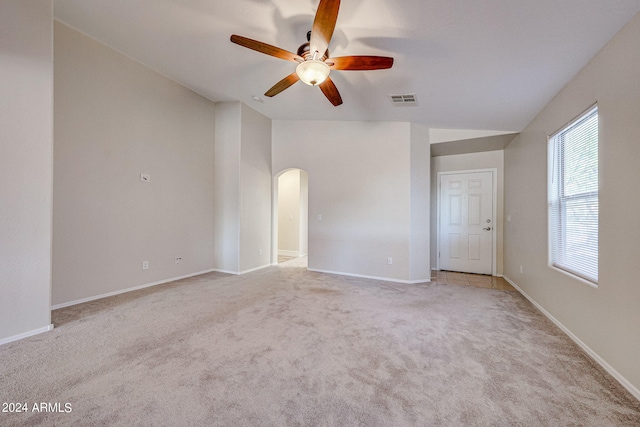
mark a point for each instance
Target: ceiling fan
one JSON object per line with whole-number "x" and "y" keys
{"x": 314, "y": 63}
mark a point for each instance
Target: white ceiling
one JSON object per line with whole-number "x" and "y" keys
{"x": 473, "y": 64}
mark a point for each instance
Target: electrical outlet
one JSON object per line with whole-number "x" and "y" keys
{"x": 521, "y": 269}
{"x": 389, "y": 260}
{"x": 178, "y": 260}
{"x": 145, "y": 265}
{"x": 320, "y": 217}
{"x": 260, "y": 252}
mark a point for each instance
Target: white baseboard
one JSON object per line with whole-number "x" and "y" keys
{"x": 26, "y": 335}
{"x": 496, "y": 275}
{"x": 615, "y": 374}
{"x": 386, "y": 279}
{"x": 122, "y": 291}
{"x": 282, "y": 252}
{"x": 238, "y": 273}
{"x": 254, "y": 269}
{"x": 235, "y": 273}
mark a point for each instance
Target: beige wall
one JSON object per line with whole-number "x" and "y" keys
{"x": 360, "y": 182}
{"x": 227, "y": 187}
{"x": 26, "y": 87}
{"x": 115, "y": 119}
{"x": 463, "y": 162}
{"x": 242, "y": 192}
{"x": 420, "y": 202}
{"x": 255, "y": 190}
{"x": 304, "y": 213}
{"x": 606, "y": 319}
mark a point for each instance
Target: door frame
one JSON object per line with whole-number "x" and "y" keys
{"x": 494, "y": 208}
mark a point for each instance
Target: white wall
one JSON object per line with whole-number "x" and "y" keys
{"x": 606, "y": 319}
{"x": 360, "y": 182}
{"x": 461, "y": 162}
{"x": 242, "y": 189}
{"x": 115, "y": 119}
{"x": 26, "y": 87}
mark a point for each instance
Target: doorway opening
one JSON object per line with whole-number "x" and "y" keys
{"x": 291, "y": 215}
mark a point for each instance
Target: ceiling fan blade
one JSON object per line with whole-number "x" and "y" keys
{"x": 282, "y": 85}
{"x": 323, "y": 26}
{"x": 331, "y": 92}
{"x": 360, "y": 63}
{"x": 266, "y": 48}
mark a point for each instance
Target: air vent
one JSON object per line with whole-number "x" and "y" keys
{"x": 406, "y": 100}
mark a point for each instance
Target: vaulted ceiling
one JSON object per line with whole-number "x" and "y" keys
{"x": 473, "y": 64}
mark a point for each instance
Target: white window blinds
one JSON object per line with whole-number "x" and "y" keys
{"x": 573, "y": 197}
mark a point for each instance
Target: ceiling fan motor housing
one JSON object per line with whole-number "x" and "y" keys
{"x": 305, "y": 51}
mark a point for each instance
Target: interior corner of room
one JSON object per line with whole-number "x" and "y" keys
{"x": 114, "y": 177}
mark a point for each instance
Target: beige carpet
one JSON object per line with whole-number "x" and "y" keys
{"x": 284, "y": 346}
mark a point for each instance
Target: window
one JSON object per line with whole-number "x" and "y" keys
{"x": 573, "y": 197}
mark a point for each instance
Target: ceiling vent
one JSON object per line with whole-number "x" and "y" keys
{"x": 407, "y": 100}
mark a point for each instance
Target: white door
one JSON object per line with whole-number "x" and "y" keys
{"x": 466, "y": 222}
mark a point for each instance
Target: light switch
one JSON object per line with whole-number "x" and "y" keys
{"x": 319, "y": 217}
{"x": 145, "y": 177}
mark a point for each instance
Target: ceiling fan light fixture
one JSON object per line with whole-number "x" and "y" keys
{"x": 313, "y": 72}
{"x": 312, "y": 68}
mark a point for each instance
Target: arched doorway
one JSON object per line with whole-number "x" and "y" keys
{"x": 291, "y": 215}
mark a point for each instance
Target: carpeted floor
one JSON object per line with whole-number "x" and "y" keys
{"x": 284, "y": 346}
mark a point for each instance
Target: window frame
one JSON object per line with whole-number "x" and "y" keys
{"x": 556, "y": 185}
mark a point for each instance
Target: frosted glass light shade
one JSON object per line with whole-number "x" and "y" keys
{"x": 313, "y": 72}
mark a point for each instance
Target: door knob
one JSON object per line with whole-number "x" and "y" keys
{"x": 487, "y": 228}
